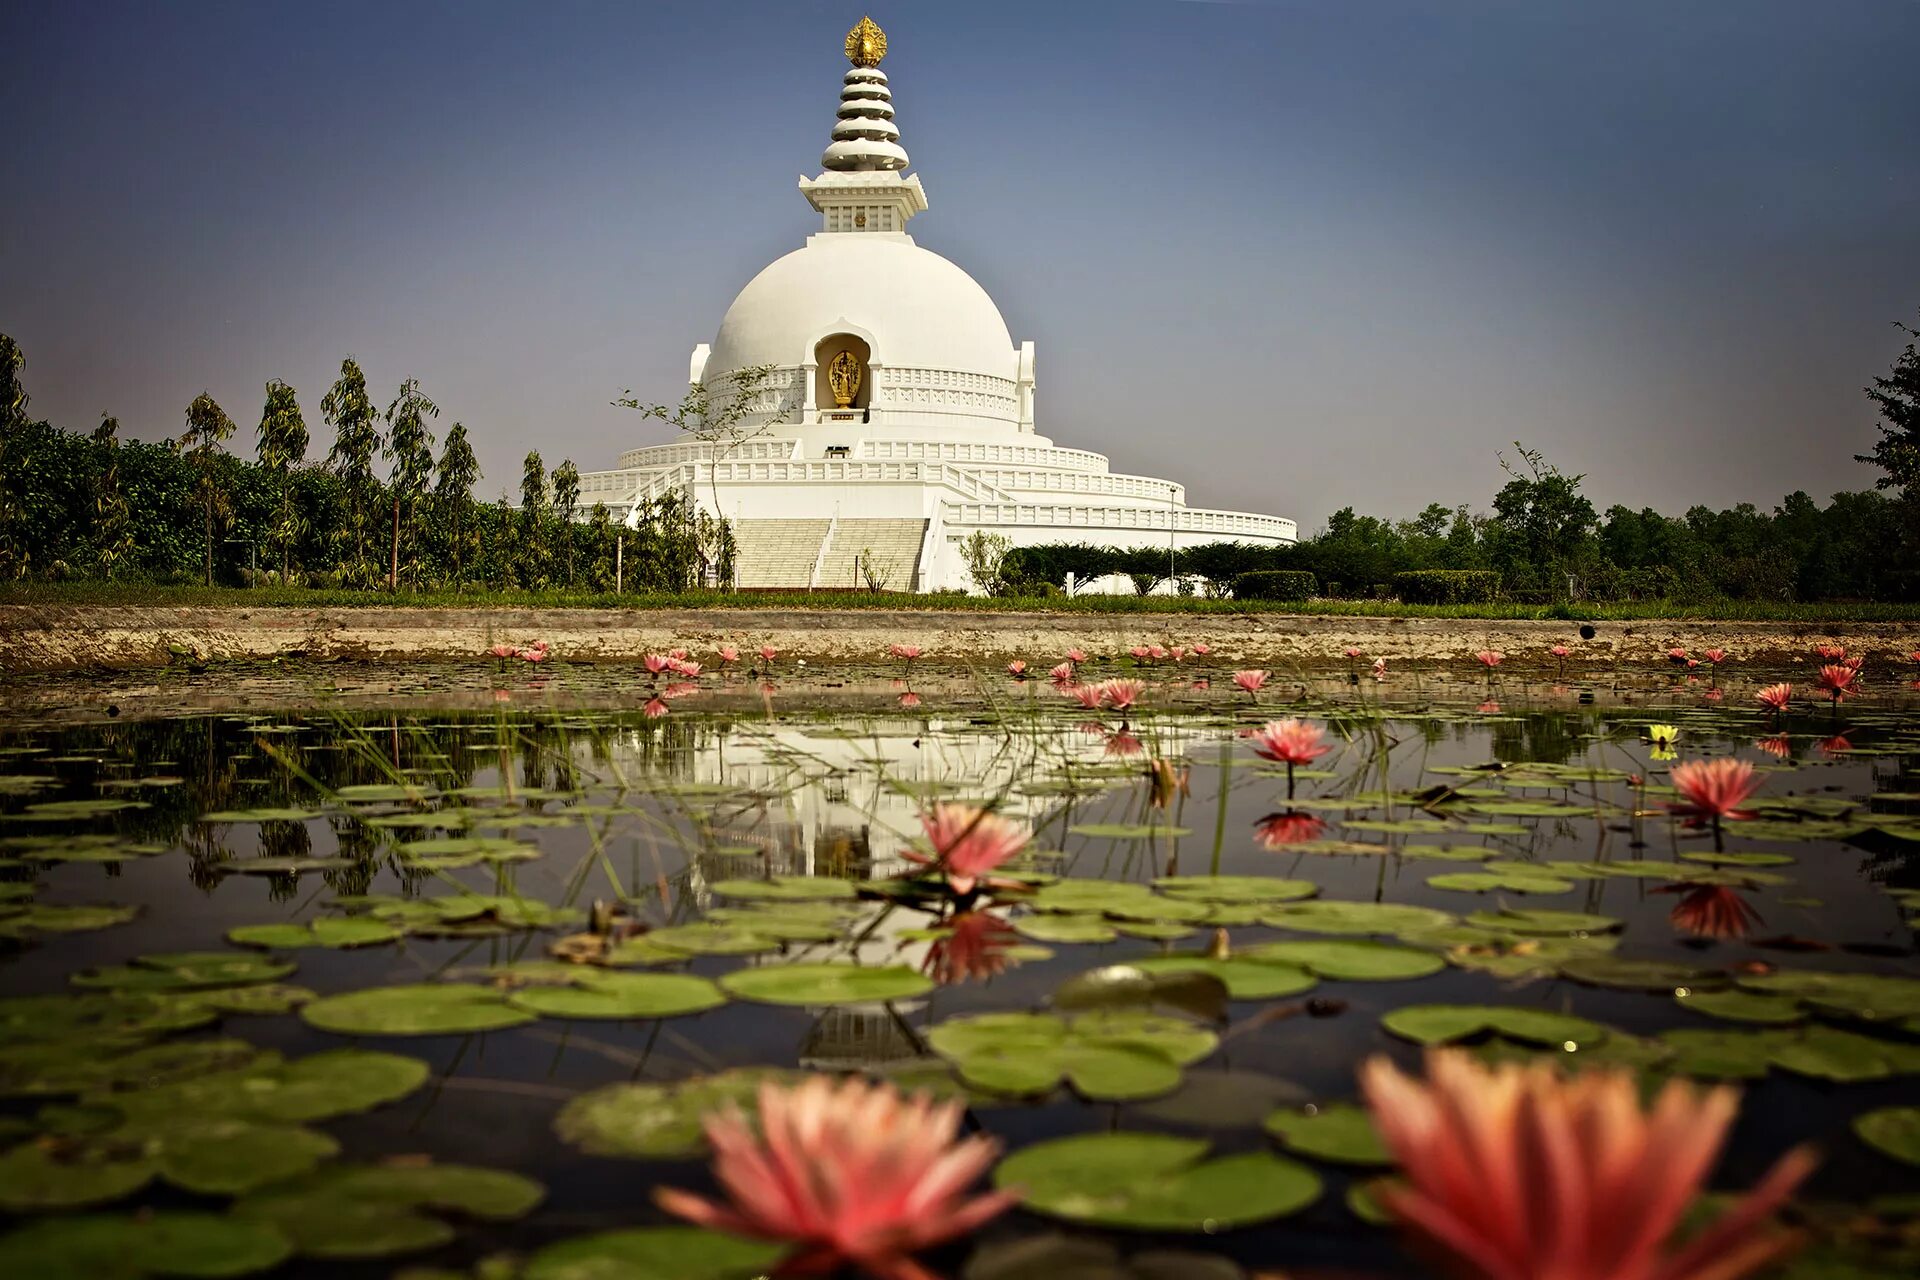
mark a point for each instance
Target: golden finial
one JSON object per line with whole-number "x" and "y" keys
{"x": 866, "y": 44}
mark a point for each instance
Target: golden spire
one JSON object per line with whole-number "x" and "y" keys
{"x": 866, "y": 44}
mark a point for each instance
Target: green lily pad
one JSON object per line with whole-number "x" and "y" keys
{"x": 1500, "y": 882}
{"x": 657, "y": 1121}
{"x": 318, "y": 1086}
{"x": 328, "y": 931}
{"x": 39, "y": 1019}
{"x": 1247, "y": 977}
{"x": 185, "y": 971}
{"x": 1235, "y": 889}
{"x": 1106, "y": 1055}
{"x": 1053, "y": 927}
{"x": 197, "y": 1246}
{"x": 825, "y": 984}
{"x": 1872, "y": 997}
{"x": 223, "y": 1157}
{"x": 1742, "y": 1006}
{"x": 1747, "y": 859}
{"x": 1718, "y": 1055}
{"x": 1155, "y": 1182}
{"x": 47, "y": 918}
{"x": 1892, "y": 1131}
{"x": 89, "y": 1065}
{"x": 1827, "y": 1053}
{"x": 260, "y": 815}
{"x": 376, "y": 1211}
{"x": 655, "y": 1253}
{"x": 622, "y": 995}
{"x": 1639, "y": 975}
{"x": 267, "y": 998}
{"x": 1346, "y": 961}
{"x": 38, "y": 1176}
{"x": 786, "y": 889}
{"x": 414, "y": 1009}
{"x": 1543, "y": 922}
{"x": 712, "y": 938}
{"x": 1125, "y": 831}
{"x": 1125, "y": 986}
{"x": 1323, "y": 916}
{"x": 1445, "y": 1023}
{"x": 1339, "y": 1131}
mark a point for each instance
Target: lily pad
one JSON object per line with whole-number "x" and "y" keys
{"x": 414, "y": 1009}
{"x": 1892, "y": 1131}
{"x": 1106, "y": 1055}
{"x": 377, "y": 1211}
{"x": 1235, "y": 889}
{"x": 1446, "y": 1023}
{"x": 200, "y": 1246}
{"x": 318, "y": 1086}
{"x": 1742, "y": 1006}
{"x": 1543, "y": 922}
{"x": 825, "y": 984}
{"x": 328, "y": 931}
{"x": 1339, "y": 1131}
{"x": 1323, "y": 916}
{"x": 41, "y": 1175}
{"x": 1126, "y": 831}
{"x": 786, "y": 889}
{"x": 1155, "y": 1182}
{"x": 1344, "y": 961}
{"x": 185, "y": 971}
{"x": 655, "y": 1253}
{"x": 1247, "y": 977}
{"x": 1500, "y": 882}
{"x": 712, "y": 938}
{"x": 622, "y": 995}
{"x": 657, "y": 1121}
{"x": 1639, "y": 975}
{"x": 1065, "y": 928}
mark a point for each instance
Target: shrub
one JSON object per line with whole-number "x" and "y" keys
{"x": 1275, "y": 584}
{"x": 1447, "y": 586}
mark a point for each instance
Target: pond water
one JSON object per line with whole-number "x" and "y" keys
{"x": 475, "y": 898}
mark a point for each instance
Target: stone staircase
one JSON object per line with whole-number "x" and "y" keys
{"x": 893, "y": 544}
{"x": 777, "y": 553}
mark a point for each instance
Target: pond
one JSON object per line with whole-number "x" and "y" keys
{"x": 439, "y": 979}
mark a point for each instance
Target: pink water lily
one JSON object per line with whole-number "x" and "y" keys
{"x": 768, "y": 652}
{"x": 1062, "y": 674}
{"x": 1202, "y": 650}
{"x": 1490, "y": 658}
{"x": 1089, "y": 696}
{"x": 686, "y": 668}
{"x": 1140, "y": 651}
{"x": 1714, "y": 789}
{"x": 1078, "y": 656}
{"x": 1521, "y": 1173}
{"x": 849, "y": 1173}
{"x": 728, "y": 654}
{"x": 1829, "y": 652}
{"x": 1290, "y": 741}
{"x": 969, "y": 842}
{"x": 1251, "y": 681}
{"x": 1121, "y": 693}
{"x": 905, "y": 651}
{"x": 1017, "y": 669}
{"x": 1836, "y": 681}
{"x": 1775, "y": 697}
{"x": 504, "y": 651}
{"x": 657, "y": 662}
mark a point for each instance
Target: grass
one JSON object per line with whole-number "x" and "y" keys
{"x": 144, "y": 595}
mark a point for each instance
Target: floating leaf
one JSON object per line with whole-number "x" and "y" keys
{"x": 374, "y": 1211}
{"x": 1742, "y": 1006}
{"x": 1246, "y": 977}
{"x": 107, "y": 1247}
{"x": 329, "y": 931}
{"x": 260, "y": 815}
{"x": 185, "y": 971}
{"x": 1126, "y": 986}
{"x": 659, "y": 1120}
{"x": 1125, "y": 831}
{"x": 1109, "y": 1055}
{"x": 414, "y": 1009}
{"x": 1155, "y": 1182}
{"x": 318, "y": 1086}
{"x": 1235, "y": 889}
{"x": 1892, "y": 1131}
{"x": 1322, "y": 916}
{"x": 36, "y": 1175}
{"x": 712, "y": 938}
{"x": 825, "y": 984}
{"x": 1540, "y": 921}
{"x": 1338, "y": 1131}
{"x": 622, "y": 995}
{"x": 1639, "y": 975}
{"x": 1344, "y": 961}
{"x": 655, "y": 1253}
{"x": 1500, "y": 882}
{"x": 786, "y": 889}
{"x": 1445, "y": 1023}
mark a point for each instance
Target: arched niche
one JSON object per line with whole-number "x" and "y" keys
{"x": 824, "y": 354}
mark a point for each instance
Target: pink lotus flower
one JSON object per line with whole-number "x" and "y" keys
{"x": 691, "y": 670}
{"x": 1278, "y": 830}
{"x": 1521, "y": 1173}
{"x": 1714, "y": 789}
{"x": 503, "y": 651}
{"x": 768, "y": 652}
{"x": 1837, "y": 681}
{"x": 728, "y": 654}
{"x": 1711, "y": 911}
{"x": 1175, "y": 652}
{"x": 1857, "y": 661}
{"x": 1676, "y": 654}
{"x": 1202, "y": 650}
{"x": 909, "y": 699}
{"x": 1076, "y": 656}
{"x": 1491, "y": 707}
{"x": 1715, "y": 656}
{"x": 1156, "y": 651}
{"x": 1490, "y": 657}
{"x": 1778, "y": 745}
{"x": 1692, "y": 663}
{"x": 658, "y": 662}
{"x": 1016, "y": 668}
{"x": 1829, "y": 652}
{"x": 1290, "y": 741}
{"x": 654, "y": 709}
{"x": 1251, "y": 681}
{"x": 1379, "y": 668}
{"x": 1140, "y": 651}
{"x": 974, "y": 948}
{"x": 1560, "y": 651}
{"x": 1352, "y": 652}
{"x": 851, "y": 1174}
{"x": 1121, "y": 693}
{"x": 1775, "y": 697}
{"x": 536, "y": 656}
{"x": 1088, "y": 695}
{"x": 907, "y": 651}
{"x": 678, "y": 655}
{"x": 1062, "y": 674}
{"x": 969, "y": 842}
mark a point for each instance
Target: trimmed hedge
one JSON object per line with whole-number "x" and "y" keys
{"x": 1447, "y": 586}
{"x": 1275, "y": 584}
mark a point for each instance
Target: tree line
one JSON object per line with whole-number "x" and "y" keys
{"x": 379, "y": 511}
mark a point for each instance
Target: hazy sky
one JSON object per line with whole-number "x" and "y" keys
{"x": 1298, "y": 254}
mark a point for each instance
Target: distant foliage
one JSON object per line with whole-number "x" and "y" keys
{"x": 1447, "y": 586}
{"x": 1275, "y": 584}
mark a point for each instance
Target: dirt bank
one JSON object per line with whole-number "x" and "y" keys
{"x": 38, "y": 638}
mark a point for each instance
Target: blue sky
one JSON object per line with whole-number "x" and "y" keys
{"x": 1298, "y": 255}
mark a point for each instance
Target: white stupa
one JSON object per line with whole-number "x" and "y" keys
{"x": 898, "y": 418}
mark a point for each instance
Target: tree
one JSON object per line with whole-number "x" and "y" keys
{"x": 208, "y": 426}
{"x": 410, "y": 448}
{"x": 983, "y": 553}
{"x": 566, "y": 493}
{"x": 112, "y": 517}
{"x": 453, "y": 485}
{"x": 355, "y": 440}
{"x": 13, "y": 417}
{"x": 533, "y": 521}
{"x": 283, "y": 446}
{"x": 1897, "y": 452}
{"x": 716, "y": 414}
{"x": 1543, "y": 525}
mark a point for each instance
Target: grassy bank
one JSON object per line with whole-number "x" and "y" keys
{"x": 144, "y": 596}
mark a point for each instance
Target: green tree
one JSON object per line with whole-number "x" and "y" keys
{"x": 1897, "y": 452}
{"x": 410, "y": 449}
{"x": 565, "y": 482}
{"x": 356, "y": 439}
{"x": 112, "y": 517}
{"x": 208, "y": 426}
{"x": 453, "y": 483}
{"x": 283, "y": 446}
{"x": 984, "y": 554}
{"x": 13, "y": 418}
{"x": 1542, "y": 524}
{"x": 533, "y": 521}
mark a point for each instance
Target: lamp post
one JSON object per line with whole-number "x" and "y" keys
{"x": 1173, "y": 587}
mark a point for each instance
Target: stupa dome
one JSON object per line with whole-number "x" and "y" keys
{"x": 910, "y": 305}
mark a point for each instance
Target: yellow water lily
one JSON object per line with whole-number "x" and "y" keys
{"x": 1663, "y": 737}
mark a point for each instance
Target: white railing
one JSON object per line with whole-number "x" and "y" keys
{"x": 1226, "y": 524}
{"x": 966, "y": 451}
{"x": 667, "y": 455}
{"x": 1105, "y": 484}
